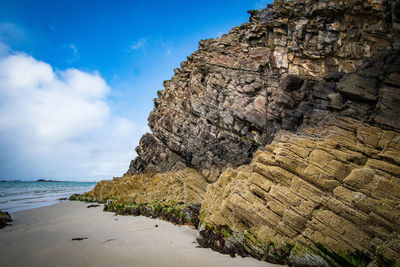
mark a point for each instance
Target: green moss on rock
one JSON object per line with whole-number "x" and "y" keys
{"x": 169, "y": 211}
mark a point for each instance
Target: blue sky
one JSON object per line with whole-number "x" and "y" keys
{"x": 77, "y": 78}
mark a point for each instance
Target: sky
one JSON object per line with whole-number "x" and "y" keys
{"x": 78, "y": 78}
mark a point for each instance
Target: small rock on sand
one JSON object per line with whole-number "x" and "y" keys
{"x": 5, "y": 218}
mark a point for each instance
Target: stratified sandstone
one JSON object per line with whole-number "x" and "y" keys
{"x": 299, "y": 111}
{"x": 185, "y": 186}
{"x": 172, "y": 196}
{"x": 336, "y": 185}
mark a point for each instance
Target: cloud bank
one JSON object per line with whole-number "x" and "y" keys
{"x": 58, "y": 124}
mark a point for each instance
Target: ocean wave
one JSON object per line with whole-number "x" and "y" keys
{"x": 16, "y": 196}
{"x": 25, "y": 198}
{"x": 30, "y": 202}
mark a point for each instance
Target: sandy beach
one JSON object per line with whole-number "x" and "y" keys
{"x": 43, "y": 237}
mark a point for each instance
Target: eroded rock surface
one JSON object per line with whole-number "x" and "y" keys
{"x": 336, "y": 184}
{"x": 172, "y": 196}
{"x": 306, "y": 100}
{"x": 185, "y": 186}
{"x": 231, "y": 96}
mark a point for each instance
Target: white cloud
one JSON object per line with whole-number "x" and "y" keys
{"x": 75, "y": 53}
{"x": 58, "y": 123}
{"x": 141, "y": 43}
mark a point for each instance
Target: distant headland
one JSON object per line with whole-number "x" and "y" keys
{"x": 44, "y": 180}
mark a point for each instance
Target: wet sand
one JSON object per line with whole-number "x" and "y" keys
{"x": 43, "y": 237}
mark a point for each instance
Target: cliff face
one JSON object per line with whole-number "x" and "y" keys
{"x": 334, "y": 185}
{"x": 305, "y": 98}
{"x": 232, "y": 95}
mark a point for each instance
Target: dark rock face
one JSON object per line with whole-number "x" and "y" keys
{"x": 232, "y": 95}
{"x": 371, "y": 93}
{"x": 5, "y": 218}
{"x": 395, "y": 12}
{"x": 223, "y": 240}
{"x": 155, "y": 156}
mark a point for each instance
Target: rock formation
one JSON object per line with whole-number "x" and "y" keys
{"x": 5, "y": 219}
{"x": 286, "y": 130}
{"x": 230, "y": 97}
{"x": 334, "y": 184}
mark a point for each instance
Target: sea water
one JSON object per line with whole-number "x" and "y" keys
{"x": 15, "y": 196}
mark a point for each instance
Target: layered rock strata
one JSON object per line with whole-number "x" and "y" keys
{"x": 184, "y": 186}
{"x": 172, "y": 196}
{"x": 305, "y": 99}
{"x": 228, "y": 98}
{"x": 335, "y": 184}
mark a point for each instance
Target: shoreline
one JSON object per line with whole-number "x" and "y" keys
{"x": 14, "y": 212}
{"x": 43, "y": 237}
{"x": 19, "y": 196}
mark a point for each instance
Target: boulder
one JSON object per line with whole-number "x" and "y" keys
{"x": 5, "y": 219}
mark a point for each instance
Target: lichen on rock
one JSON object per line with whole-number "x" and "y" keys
{"x": 184, "y": 186}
